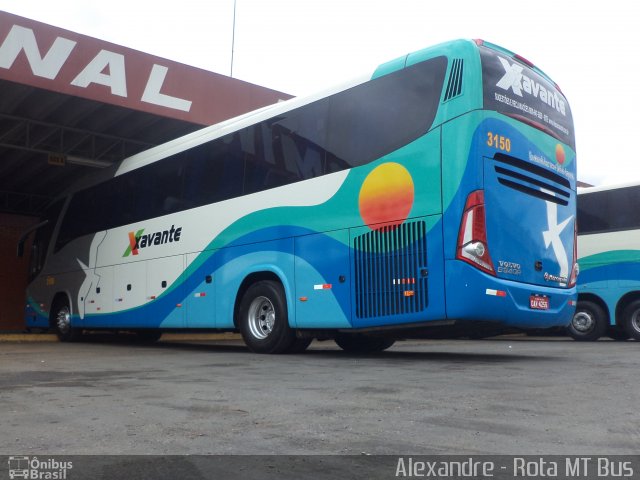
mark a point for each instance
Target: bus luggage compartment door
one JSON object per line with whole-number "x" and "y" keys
{"x": 391, "y": 274}
{"x": 323, "y": 282}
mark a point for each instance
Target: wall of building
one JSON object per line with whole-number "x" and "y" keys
{"x": 13, "y": 271}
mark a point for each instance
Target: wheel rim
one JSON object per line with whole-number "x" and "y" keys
{"x": 583, "y": 322}
{"x": 635, "y": 321}
{"x": 262, "y": 317}
{"x": 63, "y": 320}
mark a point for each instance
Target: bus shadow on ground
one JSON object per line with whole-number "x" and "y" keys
{"x": 321, "y": 351}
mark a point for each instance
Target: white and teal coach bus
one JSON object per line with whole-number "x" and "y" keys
{"x": 436, "y": 192}
{"x": 609, "y": 257}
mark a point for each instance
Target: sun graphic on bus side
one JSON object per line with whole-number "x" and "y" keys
{"x": 560, "y": 155}
{"x": 386, "y": 196}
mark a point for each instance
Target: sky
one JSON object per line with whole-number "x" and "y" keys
{"x": 299, "y": 46}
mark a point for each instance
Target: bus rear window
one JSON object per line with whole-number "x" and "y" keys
{"x": 512, "y": 88}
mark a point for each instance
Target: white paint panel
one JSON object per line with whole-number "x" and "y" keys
{"x": 129, "y": 285}
{"x": 604, "y": 242}
{"x": 201, "y": 225}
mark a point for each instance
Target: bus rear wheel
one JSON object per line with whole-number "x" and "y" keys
{"x": 631, "y": 320}
{"x": 61, "y": 315}
{"x": 263, "y": 319}
{"x": 589, "y": 322}
{"x": 360, "y": 343}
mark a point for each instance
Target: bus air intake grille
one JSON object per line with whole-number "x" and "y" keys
{"x": 454, "y": 85}
{"x": 391, "y": 270}
{"x": 532, "y": 180}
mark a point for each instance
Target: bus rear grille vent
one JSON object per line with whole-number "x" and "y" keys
{"x": 454, "y": 86}
{"x": 532, "y": 179}
{"x": 391, "y": 270}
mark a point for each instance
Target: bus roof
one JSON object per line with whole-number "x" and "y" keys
{"x": 613, "y": 186}
{"x": 229, "y": 126}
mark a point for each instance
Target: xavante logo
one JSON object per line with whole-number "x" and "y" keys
{"x": 515, "y": 80}
{"x": 138, "y": 240}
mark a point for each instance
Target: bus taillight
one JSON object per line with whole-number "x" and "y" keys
{"x": 472, "y": 238}
{"x": 528, "y": 63}
{"x": 575, "y": 270}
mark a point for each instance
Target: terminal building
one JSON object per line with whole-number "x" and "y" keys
{"x": 72, "y": 103}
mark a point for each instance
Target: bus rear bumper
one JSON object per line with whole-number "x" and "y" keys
{"x": 472, "y": 295}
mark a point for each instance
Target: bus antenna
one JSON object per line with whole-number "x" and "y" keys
{"x": 233, "y": 36}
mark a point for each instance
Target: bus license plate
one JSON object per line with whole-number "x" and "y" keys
{"x": 538, "y": 302}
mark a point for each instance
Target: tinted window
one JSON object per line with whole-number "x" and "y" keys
{"x": 378, "y": 117}
{"x": 345, "y": 130}
{"x": 609, "y": 211}
{"x": 299, "y": 141}
{"x": 513, "y": 88}
{"x": 214, "y": 172}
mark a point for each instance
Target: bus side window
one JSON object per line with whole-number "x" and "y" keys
{"x": 264, "y": 167}
{"x": 213, "y": 173}
{"x": 299, "y": 140}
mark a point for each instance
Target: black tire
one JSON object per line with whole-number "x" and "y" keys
{"x": 263, "y": 319}
{"x": 617, "y": 333}
{"x": 361, "y": 343}
{"x": 61, "y": 322}
{"x": 589, "y": 322}
{"x": 299, "y": 345}
{"x": 147, "y": 336}
{"x": 631, "y": 320}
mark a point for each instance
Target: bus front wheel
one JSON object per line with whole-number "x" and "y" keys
{"x": 263, "y": 319}
{"x": 589, "y": 322}
{"x": 62, "y": 322}
{"x": 631, "y": 320}
{"x": 360, "y": 343}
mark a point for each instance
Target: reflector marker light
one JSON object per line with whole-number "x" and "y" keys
{"x": 200, "y": 294}
{"x": 409, "y": 293}
{"x": 324, "y": 286}
{"x": 496, "y": 293}
{"x": 404, "y": 281}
